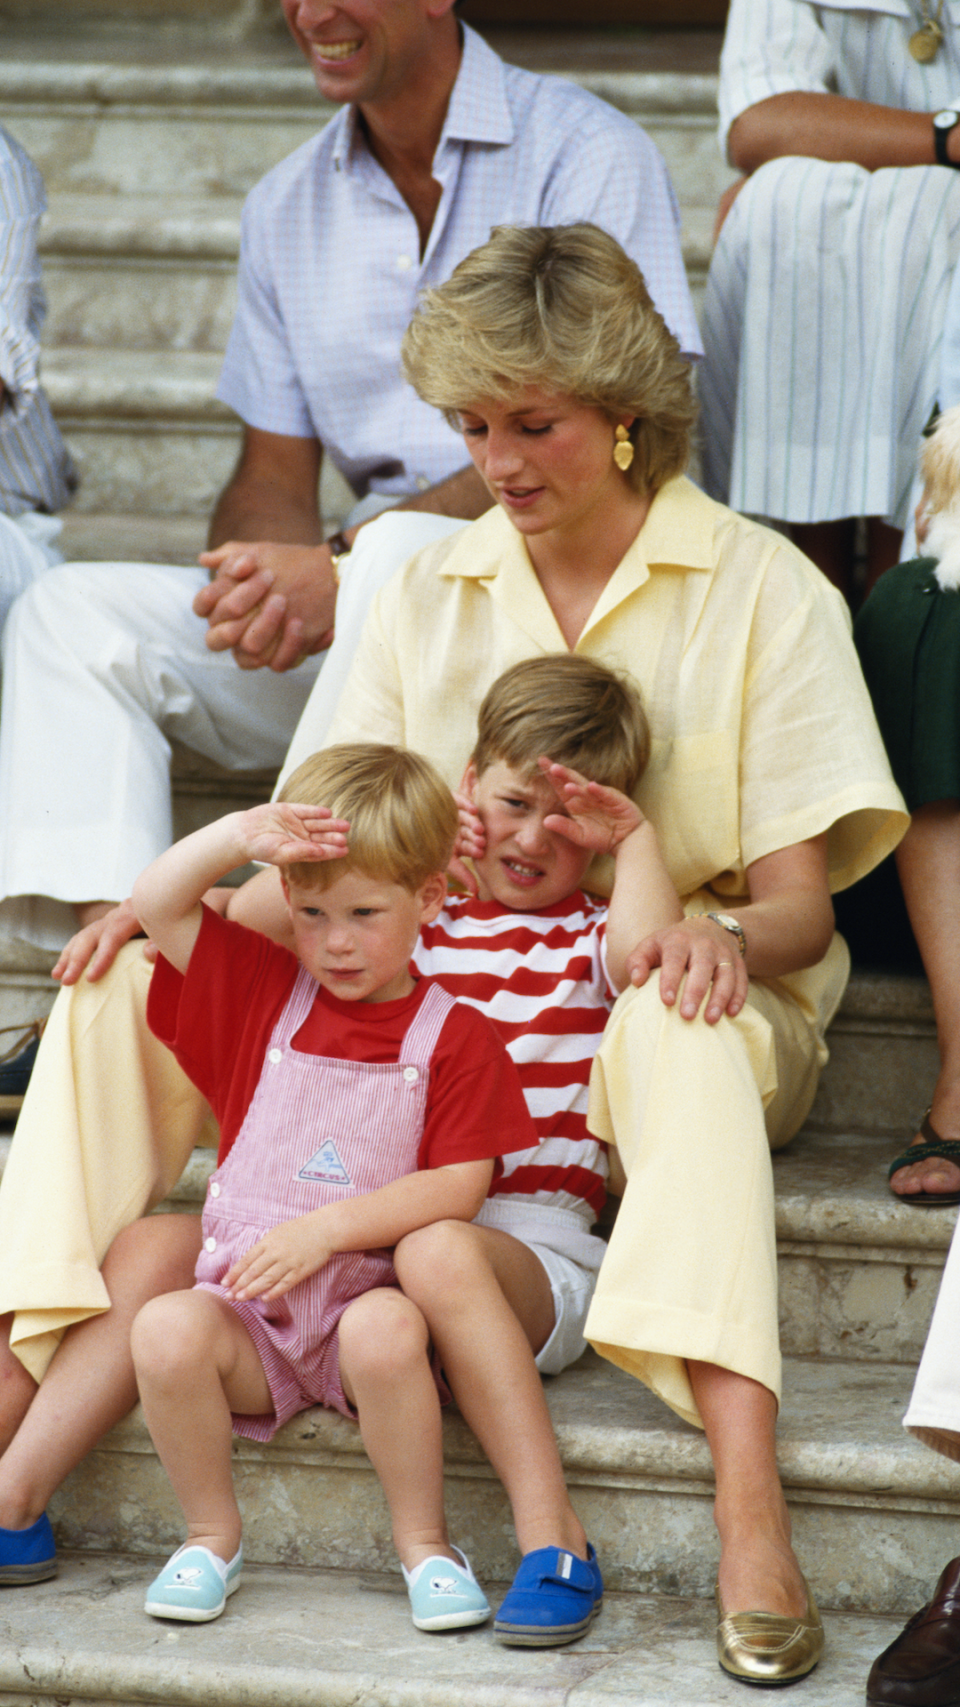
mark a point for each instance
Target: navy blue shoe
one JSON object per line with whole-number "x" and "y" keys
{"x": 28, "y": 1555}
{"x": 17, "y": 1065}
{"x": 554, "y": 1598}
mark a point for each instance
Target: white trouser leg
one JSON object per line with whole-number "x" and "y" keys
{"x": 103, "y": 663}
{"x": 27, "y": 549}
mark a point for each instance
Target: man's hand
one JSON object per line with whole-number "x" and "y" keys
{"x": 270, "y": 604}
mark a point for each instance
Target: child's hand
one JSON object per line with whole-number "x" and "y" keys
{"x": 279, "y": 1261}
{"x": 471, "y": 843}
{"x": 600, "y": 818}
{"x": 281, "y": 833}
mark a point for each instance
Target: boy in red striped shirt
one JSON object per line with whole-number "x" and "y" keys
{"x": 508, "y": 1294}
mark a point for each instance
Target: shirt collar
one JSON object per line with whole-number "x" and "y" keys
{"x": 478, "y": 110}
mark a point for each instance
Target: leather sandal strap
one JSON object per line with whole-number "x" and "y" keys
{"x": 947, "y": 1149}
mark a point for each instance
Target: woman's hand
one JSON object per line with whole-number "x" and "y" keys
{"x": 600, "y": 818}
{"x": 94, "y": 949}
{"x": 703, "y": 952}
{"x": 279, "y": 1261}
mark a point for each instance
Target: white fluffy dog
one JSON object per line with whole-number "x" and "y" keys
{"x": 938, "y": 513}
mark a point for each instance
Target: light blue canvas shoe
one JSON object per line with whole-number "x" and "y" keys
{"x": 445, "y": 1595}
{"x": 193, "y": 1585}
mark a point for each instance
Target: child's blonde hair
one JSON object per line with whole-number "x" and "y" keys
{"x": 570, "y": 709}
{"x": 402, "y": 816}
{"x": 940, "y": 468}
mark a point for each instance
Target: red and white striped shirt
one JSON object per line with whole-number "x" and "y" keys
{"x": 541, "y": 979}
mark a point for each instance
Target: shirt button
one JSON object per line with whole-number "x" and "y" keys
{"x": 275, "y": 1055}
{"x": 423, "y": 484}
{"x": 209, "y": 1244}
{"x": 214, "y": 1189}
{"x": 411, "y": 1075}
{"x": 404, "y": 263}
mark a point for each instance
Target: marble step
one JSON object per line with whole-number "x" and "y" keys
{"x": 160, "y": 115}
{"x": 322, "y": 1638}
{"x": 148, "y": 435}
{"x": 874, "y": 1513}
{"x": 159, "y": 272}
{"x": 344, "y": 1639}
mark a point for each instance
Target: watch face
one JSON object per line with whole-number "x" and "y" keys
{"x": 946, "y": 119}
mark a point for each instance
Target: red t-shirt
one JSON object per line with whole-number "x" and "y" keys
{"x": 218, "y": 1016}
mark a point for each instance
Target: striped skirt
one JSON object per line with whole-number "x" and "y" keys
{"x": 823, "y": 324}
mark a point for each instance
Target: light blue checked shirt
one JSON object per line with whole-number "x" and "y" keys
{"x": 330, "y": 269}
{"x": 35, "y": 470}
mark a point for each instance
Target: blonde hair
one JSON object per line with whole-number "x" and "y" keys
{"x": 403, "y": 818}
{"x": 571, "y": 709}
{"x": 565, "y": 308}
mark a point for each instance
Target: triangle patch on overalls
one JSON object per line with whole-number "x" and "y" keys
{"x": 327, "y": 1166}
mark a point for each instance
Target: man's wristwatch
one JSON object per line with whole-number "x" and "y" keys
{"x": 728, "y": 923}
{"x": 943, "y": 123}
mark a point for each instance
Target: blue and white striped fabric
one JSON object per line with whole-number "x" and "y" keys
{"x": 825, "y": 304}
{"x": 330, "y": 269}
{"x": 35, "y": 470}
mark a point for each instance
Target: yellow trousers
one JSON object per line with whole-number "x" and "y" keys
{"x": 694, "y": 1110}
{"x": 110, "y": 1120}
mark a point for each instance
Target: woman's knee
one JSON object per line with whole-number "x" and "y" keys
{"x": 155, "y": 1254}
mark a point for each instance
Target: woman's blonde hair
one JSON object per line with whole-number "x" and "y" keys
{"x": 402, "y": 816}
{"x": 565, "y": 308}
{"x": 568, "y": 708}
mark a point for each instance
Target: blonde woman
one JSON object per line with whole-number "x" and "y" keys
{"x": 767, "y": 787}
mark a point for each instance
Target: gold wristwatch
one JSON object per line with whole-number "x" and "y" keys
{"x": 728, "y": 923}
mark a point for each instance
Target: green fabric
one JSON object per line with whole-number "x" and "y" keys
{"x": 908, "y": 638}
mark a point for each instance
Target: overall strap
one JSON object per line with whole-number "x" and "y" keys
{"x": 420, "y": 1039}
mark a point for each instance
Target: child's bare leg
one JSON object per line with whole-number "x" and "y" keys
{"x": 385, "y": 1370}
{"x": 195, "y": 1363}
{"x": 90, "y": 1384}
{"x": 488, "y": 1306}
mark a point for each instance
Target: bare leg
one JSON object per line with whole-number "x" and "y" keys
{"x": 90, "y": 1384}
{"x": 488, "y": 1305}
{"x": 928, "y": 860}
{"x": 385, "y": 1370}
{"x": 758, "y": 1568}
{"x": 196, "y": 1363}
{"x": 17, "y": 1388}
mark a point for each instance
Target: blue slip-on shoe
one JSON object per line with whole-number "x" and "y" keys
{"x": 193, "y": 1585}
{"x": 554, "y": 1598}
{"x": 28, "y": 1555}
{"x": 445, "y": 1595}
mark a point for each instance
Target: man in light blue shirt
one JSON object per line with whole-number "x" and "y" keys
{"x": 438, "y": 142}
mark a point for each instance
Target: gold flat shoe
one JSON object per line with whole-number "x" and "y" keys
{"x": 766, "y": 1648}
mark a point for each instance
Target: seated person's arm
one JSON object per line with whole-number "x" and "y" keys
{"x": 833, "y": 127}
{"x": 378, "y": 1219}
{"x": 788, "y": 924}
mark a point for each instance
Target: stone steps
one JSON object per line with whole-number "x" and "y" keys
{"x": 344, "y": 1639}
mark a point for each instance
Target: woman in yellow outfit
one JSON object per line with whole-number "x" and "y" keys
{"x": 767, "y": 785}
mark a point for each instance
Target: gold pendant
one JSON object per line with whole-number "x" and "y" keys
{"x": 925, "y": 43}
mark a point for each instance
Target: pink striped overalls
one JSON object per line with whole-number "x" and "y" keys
{"x": 317, "y": 1130}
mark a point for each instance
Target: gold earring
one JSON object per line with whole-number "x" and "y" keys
{"x": 623, "y": 449}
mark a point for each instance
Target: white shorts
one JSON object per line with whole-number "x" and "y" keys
{"x": 553, "y": 1235}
